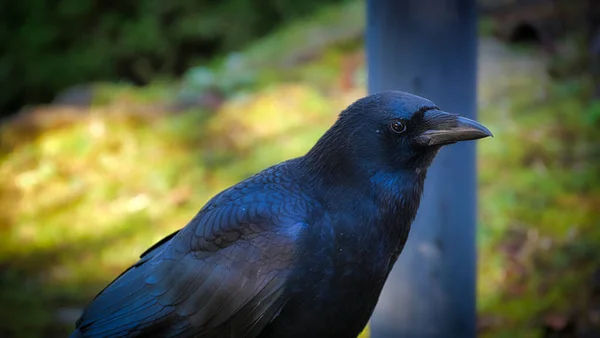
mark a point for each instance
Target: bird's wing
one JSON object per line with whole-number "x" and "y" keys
{"x": 220, "y": 276}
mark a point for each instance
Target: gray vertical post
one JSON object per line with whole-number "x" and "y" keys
{"x": 428, "y": 47}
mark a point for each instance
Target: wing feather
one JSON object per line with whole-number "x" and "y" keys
{"x": 223, "y": 275}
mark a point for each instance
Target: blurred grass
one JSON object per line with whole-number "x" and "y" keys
{"x": 85, "y": 191}
{"x": 539, "y": 200}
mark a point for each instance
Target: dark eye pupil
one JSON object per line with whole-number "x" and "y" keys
{"x": 398, "y": 126}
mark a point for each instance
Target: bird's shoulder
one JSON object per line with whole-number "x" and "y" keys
{"x": 273, "y": 202}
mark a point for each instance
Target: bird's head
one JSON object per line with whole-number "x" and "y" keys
{"x": 394, "y": 130}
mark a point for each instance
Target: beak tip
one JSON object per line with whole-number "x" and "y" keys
{"x": 475, "y": 127}
{"x": 488, "y": 133}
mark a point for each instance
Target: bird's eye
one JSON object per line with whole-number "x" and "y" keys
{"x": 398, "y": 126}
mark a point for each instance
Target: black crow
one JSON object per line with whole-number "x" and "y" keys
{"x": 301, "y": 249}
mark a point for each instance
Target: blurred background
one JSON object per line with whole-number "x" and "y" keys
{"x": 120, "y": 119}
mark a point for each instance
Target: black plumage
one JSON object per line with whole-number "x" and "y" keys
{"x": 301, "y": 249}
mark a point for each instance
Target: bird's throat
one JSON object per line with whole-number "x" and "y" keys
{"x": 397, "y": 196}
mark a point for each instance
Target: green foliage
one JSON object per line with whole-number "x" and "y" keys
{"x": 50, "y": 46}
{"x": 539, "y": 197}
{"x": 276, "y": 56}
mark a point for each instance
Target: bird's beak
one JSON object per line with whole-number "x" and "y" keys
{"x": 445, "y": 128}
